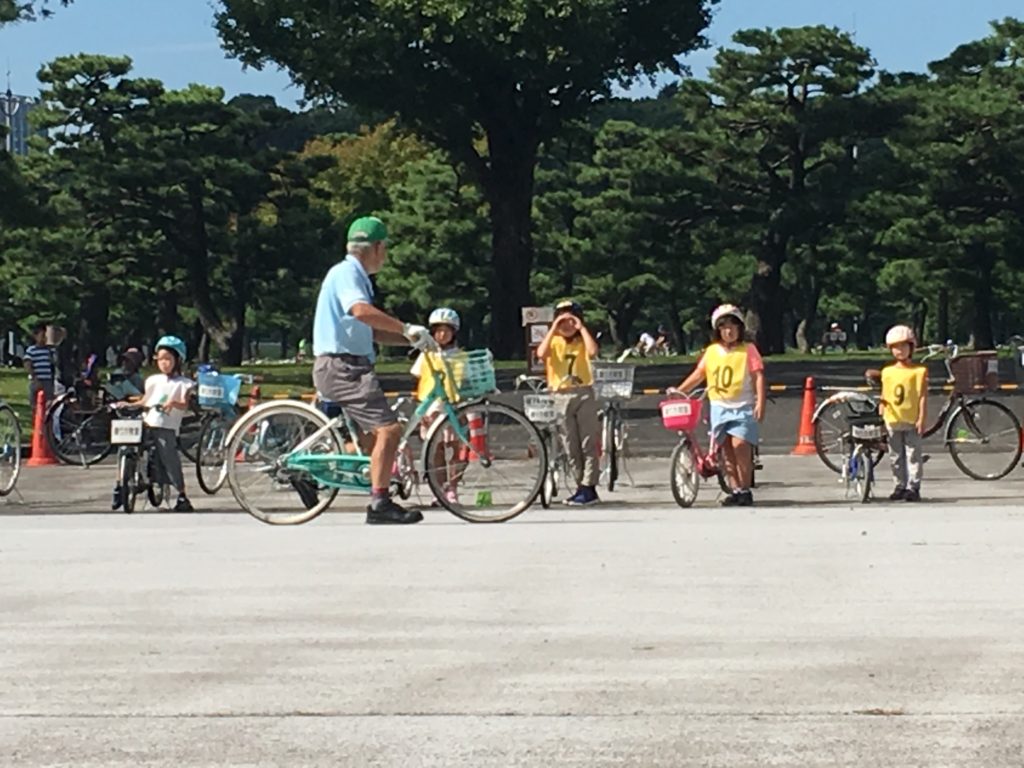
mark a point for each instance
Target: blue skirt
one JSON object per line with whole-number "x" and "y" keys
{"x": 737, "y": 422}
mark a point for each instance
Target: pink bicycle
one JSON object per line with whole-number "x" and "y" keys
{"x": 690, "y": 462}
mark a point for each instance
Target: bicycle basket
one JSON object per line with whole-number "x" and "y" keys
{"x": 613, "y": 380}
{"x": 681, "y": 414}
{"x": 975, "y": 371}
{"x": 866, "y": 428}
{"x": 474, "y": 370}
{"x": 540, "y": 409}
{"x": 218, "y": 390}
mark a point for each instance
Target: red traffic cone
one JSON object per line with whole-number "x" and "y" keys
{"x": 254, "y": 397}
{"x": 805, "y": 438}
{"x": 42, "y": 456}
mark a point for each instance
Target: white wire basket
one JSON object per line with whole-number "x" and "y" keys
{"x": 540, "y": 409}
{"x": 613, "y": 380}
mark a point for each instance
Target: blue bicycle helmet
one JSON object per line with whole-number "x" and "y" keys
{"x": 174, "y": 344}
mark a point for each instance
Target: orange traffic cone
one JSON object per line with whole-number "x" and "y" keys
{"x": 42, "y": 456}
{"x": 254, "y": 397}
{"x": 805, "y": 439}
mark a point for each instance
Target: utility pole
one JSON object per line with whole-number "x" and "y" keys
{"x": 10, "y": 107}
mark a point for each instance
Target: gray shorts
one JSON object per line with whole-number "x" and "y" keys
{"x": 352, "y": 383}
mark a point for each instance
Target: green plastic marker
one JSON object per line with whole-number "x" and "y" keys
{"x": 483, "y": 499}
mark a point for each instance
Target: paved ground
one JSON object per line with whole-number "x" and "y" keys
{"x": 804, "y": 632}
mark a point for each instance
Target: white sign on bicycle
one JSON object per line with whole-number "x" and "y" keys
{"x": 210, "y": 392}
{"x": 126, "y": 431}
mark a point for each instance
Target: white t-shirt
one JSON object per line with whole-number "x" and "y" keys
{"x": 160, "y": 390}
{"x": 647, "y": 341}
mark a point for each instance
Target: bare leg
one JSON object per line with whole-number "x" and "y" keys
{"x": 743, "y": 454}
{"x": 382, "y": 459}
{"x": 729, "y": 457}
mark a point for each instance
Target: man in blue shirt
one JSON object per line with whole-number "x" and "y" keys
{"x": 345, "y": 326}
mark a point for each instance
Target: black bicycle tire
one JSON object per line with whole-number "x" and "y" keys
{"x": 683, "y": 445}
{"x": 203, "y": 430}
{"x": 819, "y": 447}
{"x": 188, "y": 446}
{"x": 950, "y": 445}
{"x": 868, "y": 470}
{"x": 6, "y": 489}
{"x": 154, "y": 488}
{"x": 129, "y": 489}
{"x": 611, "y": 448}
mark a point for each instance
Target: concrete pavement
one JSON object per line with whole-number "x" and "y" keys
{"x": 803, "y": 632}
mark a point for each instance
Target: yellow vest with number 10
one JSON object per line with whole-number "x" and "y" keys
{"x": 726, "y": 371}
{"x": 901, "y": 392}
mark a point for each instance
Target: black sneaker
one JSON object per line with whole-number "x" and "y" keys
{"x": 307, "y": 492}
{"x": 900, "y": 494}
{"x": 183, "y": 505}
{"x": 389, "y": 513}
{"x": 746, "y": 499}
{"x": 118, "y": 500}
{"x": 912, "y": 495}
{"x": 732, "y": 500}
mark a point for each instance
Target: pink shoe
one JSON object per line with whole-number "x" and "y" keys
{"x": 451, "y": 496}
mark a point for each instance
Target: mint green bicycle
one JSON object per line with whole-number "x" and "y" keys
{"x": 482, "y": 460}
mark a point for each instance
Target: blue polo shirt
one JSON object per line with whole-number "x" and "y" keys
{"x": 335, "y": 331}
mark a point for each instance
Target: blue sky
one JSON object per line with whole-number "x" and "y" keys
{"x": 174, "y": 40}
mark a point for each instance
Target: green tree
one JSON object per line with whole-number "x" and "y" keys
{"x": 486, "y": 81}
{"x": 780, "y": 118}
{"x": 19, "y": 10}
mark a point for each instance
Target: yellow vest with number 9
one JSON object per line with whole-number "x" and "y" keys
{"x": 726, "y": 371}
{"x": 901, "y": 392}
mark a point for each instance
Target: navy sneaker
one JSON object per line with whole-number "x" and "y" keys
{"x": 585, "y": 496}
{"x": 912, "y": 495}
{"x": 118, "y": 499}
{"x": 900, "y": 494}
{"x": 387, "y": 512}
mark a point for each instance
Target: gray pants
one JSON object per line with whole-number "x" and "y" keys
{"x": 582, "y": 433}
{"x": 168, "y": 470}
{"x": 34, "y": 385}
{"x": 906, "y": 456}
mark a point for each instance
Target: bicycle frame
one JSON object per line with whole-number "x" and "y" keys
{"x": 354, "y": 478}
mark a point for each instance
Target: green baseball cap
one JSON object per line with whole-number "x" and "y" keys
{"x": 367, "y": 229}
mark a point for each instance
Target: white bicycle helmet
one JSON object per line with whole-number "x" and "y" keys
{"x": 724, "y": 311}
{"x": 900, "y": 334}
{"x": 444, "y": 316}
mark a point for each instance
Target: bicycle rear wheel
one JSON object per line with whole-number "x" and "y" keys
{"x": 868, "y": 472}
{"x": 259, "y": 444}
{"x": 684, "y": 477}
{"x": 78, "y": 433}
{"x": 495, "y": 478}
{"x": 211, "y": 467}
{"x": 10, "y": 449}
{"x": 188, "y": 435}
{"x": 550, "y": 487}
{"x": 983, "y": 438}
{"x": 830, "y": 433}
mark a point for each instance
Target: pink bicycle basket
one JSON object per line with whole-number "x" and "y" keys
{"x": 680, "y": 414}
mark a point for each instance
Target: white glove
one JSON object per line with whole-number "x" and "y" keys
{"x": 419, "y": 336}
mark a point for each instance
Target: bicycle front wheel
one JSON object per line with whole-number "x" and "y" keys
{"x": 10, "y": 445}
{"x": 609, "y": 449}
{"x": 497, "y": 476}
{"x": 261, "y": 483}
{"x": 211, "y": 468}
{"x": 684, "y": 477}
{"x": 128, "y": 479}
{"x": 983, "y": 438}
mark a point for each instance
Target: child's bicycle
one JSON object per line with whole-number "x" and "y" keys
{"x": 865, "y": 439}
{"x": 690, "y": 462}
{"x": 138, "y": 470}
{"x": 285, "y": 462}
{"x": 613, "y": 383}
{"x": 217, "y": 395}
{"x": 541, "y": 408}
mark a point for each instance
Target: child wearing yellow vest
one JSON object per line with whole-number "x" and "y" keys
{"x": 904, "y": 408}
{"x": 566, "y": 351}
{"x": 734, "y": 372}
{"x": 444, "y": 326}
